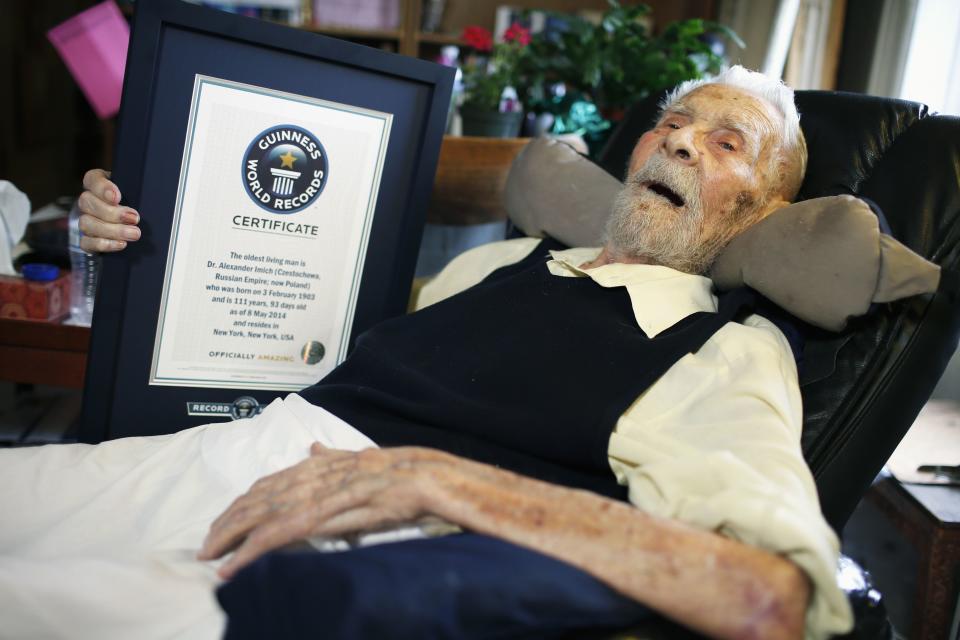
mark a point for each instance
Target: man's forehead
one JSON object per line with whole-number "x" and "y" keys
{"x": 728, "y": 107}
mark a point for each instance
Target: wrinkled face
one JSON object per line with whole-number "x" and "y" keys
{"x": 699, "y": 177}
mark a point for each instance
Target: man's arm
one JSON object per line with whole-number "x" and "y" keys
{"x": 714, "y": 585}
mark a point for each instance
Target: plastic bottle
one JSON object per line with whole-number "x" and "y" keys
{"x": 449, "y": 57}
{"x": 84, "y": 275}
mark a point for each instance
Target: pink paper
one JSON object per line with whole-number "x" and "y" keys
{"x": 93, "y": 44}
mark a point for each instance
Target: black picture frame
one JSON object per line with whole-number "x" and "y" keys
{"x": 171, "y": 42}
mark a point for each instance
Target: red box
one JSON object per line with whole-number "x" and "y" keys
{"x": 27, "y": 300}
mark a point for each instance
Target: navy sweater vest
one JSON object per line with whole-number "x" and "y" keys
{"x": 527, "y": 370}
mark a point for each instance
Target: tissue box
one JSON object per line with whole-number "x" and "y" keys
{"x": 26, "y": 300}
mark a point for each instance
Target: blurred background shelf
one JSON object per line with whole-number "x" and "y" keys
{"x": 439, "y": 38}
{"x": 49, "y": 135}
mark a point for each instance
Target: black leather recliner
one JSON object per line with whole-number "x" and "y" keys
{"x": 863, "y": 388}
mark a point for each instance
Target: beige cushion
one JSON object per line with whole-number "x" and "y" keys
{"x": 823, "y": 260}
{"x": 553, "y": 190}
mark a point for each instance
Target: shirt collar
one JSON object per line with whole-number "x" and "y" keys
{"x": 676, "y": 294}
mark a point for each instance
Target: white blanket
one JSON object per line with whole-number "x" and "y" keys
{"x": 99, "y": 541}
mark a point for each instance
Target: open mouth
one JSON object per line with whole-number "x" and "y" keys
{"x": 664, "y": 191}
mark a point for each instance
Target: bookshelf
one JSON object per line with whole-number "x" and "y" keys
{"x": 46, "y": 122}
{"x": 408, "y": 39}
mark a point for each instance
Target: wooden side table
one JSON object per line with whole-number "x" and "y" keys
{"x": 471, "y": 175}
{"x": 928, "y": 516}
{"x": 43, "y": 353}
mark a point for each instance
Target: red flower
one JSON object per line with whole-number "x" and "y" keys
{"x": 478, "y": 38}
{"x": 517, "y": 33}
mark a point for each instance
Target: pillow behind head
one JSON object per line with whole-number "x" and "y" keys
{"x": 824, "y": 260}
{"x": 553, "y": 190}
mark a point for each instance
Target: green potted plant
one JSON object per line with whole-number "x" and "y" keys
{"x": 618, "y": 61}
{"x": 491, "y": 79}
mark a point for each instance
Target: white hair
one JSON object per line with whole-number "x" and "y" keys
{"x": 775, "y": 93}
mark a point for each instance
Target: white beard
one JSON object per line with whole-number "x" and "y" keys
{"x": 645, "y": 224}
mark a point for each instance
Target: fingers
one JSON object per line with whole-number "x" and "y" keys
{"x": 105, "y": 236}
{"x": 93, "y": 205}
{"x": 265, "y": 498}
{"x": 229, "y": 530}
{"x": 331, "y": 493}
{"x": 255, "y": 545}
{"x": 278, "y": 532}
{"x": 97, "y": 181}
{"x": 363, "y": 518}
{"x": 101, "y": 245}
{"x": 303, "y": 485}
{"x": 106, "y": 226}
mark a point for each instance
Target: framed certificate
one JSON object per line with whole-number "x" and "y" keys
{"x": 282, "y": 179}
{"x": 270, "y": 231}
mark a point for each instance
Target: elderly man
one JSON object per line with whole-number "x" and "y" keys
{"x": 584, "y": 369}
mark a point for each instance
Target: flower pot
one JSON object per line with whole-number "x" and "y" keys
{"x": 491, "y": 124}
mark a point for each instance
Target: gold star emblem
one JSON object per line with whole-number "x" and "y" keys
{"x": 287, "y": 160}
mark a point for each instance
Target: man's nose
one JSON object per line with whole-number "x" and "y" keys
{"x": 679, "y": 145}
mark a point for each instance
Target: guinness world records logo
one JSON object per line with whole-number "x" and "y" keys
{"x": 245, "y": 407}
{"x": 241, "y": 408}
{"x": 284, "y": 169}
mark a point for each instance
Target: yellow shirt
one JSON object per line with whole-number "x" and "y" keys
{"x": 715, "y": 442}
